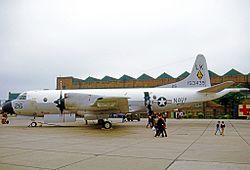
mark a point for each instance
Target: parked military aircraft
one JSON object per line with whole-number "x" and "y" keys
{"x": 97, "y": 104}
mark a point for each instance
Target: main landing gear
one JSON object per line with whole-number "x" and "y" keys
{"x": 34, "y": 123}
{"x": 105, "y": 124}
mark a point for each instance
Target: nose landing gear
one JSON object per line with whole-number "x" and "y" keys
{"x": 33, "y": 124}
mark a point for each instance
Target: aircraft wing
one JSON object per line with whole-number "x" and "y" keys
{"x": 119, "y": 104}
{"x": 95, "y": 103}
{"x": 217, "y": 88}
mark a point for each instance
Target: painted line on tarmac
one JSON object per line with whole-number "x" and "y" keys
{"x": 239, "y": 134}
{"x": 189, "y": 146}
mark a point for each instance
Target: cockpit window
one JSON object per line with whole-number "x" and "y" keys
{"x": 22, "y": 96}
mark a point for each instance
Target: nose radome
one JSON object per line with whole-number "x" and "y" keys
{"x": 7, "y": 108}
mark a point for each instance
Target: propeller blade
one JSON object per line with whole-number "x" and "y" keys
{"x": 60, "y": 103}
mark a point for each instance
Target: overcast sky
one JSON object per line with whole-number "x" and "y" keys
{"x": 43, "y": 39}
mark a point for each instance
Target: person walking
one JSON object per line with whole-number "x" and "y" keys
{"x": 160, "y": 127}
{"x": 149, "y": 124}
{"x": 157, "y": 126}
{"x": 217, "y": 128}
{"x": 164, "y": 127}
{"x": 123, "y": 118}
{"x": 222, "y": 128}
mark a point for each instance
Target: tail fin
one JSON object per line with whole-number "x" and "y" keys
{"x": 199, "y": 77}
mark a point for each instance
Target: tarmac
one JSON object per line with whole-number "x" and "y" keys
{"x": 191, "y": 144}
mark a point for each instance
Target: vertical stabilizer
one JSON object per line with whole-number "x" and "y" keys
{"x": 199, "y": 77}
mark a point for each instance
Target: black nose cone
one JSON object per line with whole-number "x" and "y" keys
{"x": 7, "y": 108}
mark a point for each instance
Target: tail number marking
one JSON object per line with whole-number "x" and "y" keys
{"x": 199, "y": 83}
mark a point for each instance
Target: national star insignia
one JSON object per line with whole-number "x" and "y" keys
{"x": 162, "y": 101}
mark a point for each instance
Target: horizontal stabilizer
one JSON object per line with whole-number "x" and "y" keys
{"x": 235, "y": 90}
{"x": 217, "y": 88}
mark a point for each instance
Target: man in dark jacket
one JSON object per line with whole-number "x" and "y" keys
{"x": 160, "y": 127}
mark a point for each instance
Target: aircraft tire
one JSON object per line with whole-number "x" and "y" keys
{"x": 107, "y": 125}
{"x": 33, "y": 124}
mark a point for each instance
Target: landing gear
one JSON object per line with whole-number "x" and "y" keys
{"x": 33, "y": 124}
{"x": 104, "y": 124}
{"x": 107, "y": 125}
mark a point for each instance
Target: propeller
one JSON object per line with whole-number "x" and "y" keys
{"x": 60, "y": 103}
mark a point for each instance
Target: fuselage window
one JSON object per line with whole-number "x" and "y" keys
{"x": 45, "y": 99}
{"x": 22, "y": 96}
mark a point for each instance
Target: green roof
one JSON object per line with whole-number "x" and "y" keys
{"x": 108, "y": 78}
{"x": 126, "y": 78}
{"x": 145, "y": 77}
{"x": 75, "y": 80}
{"x": 183, "y": 75}
{"x": 164, "y": 76}
{"x": 212, "y": 74}
{"x": 233, "y": 72}
{"x": 91, "y": 79}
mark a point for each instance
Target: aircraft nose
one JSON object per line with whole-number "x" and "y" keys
{"x": 7, "y": 107}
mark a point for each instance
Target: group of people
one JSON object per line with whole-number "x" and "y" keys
{"x": 160, "y": 128}
{"x": 158, "y": 123}
{"x": 4, "y": 118}
{"x": 220, "y": 127}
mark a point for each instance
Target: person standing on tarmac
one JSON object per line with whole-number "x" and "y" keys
{"x": 123, "y": 118}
